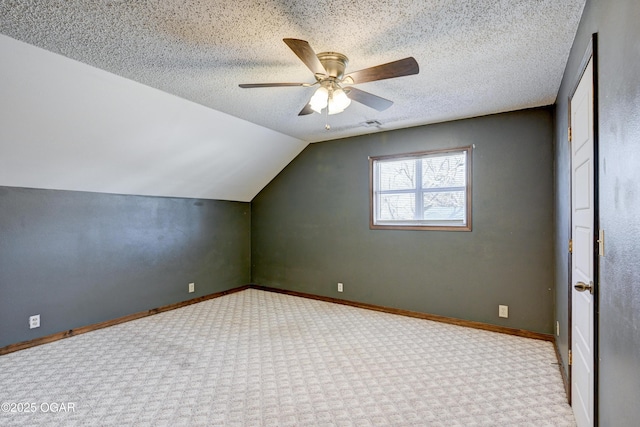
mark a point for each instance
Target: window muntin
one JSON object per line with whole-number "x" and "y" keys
{"x": 427, "y": 190}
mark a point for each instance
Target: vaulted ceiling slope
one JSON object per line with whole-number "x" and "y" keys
{"x": 91, "y": 120}
{"x": 69, "y": 126}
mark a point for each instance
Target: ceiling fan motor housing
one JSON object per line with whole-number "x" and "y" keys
{"x": 335, "y": 64}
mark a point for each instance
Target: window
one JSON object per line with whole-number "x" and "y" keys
{"x": 430, "y": 190}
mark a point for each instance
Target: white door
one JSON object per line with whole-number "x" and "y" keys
{"x": 582, "y": 235}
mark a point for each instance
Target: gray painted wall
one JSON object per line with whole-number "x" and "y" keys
{"x": 310, "y": 226}
{"x": 616, "y": 23}
{"x": 79, "y": 258}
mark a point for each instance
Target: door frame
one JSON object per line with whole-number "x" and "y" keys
{"x": 591, "y": 53}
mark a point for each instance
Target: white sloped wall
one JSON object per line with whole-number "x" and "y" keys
{"x": 69, "y": 126}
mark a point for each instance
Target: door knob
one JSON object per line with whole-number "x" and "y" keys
{"x": 581, "y": 287}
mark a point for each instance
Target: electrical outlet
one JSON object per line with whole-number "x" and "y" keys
{"x": 192, "y": 287}
{"x": 34, "y": 321}
{"x": 557, "y": 328}
{"x": 340, "y": 287}
{"x": 503, "y": 311}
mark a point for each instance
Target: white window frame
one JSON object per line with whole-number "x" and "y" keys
{"x": 419, "y": 223}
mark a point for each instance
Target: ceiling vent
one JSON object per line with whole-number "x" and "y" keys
{"x": 371, "y": 123}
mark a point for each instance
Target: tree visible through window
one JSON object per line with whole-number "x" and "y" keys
{"x": 422, "y": 190}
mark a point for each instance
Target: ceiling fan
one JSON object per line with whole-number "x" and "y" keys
{"x": 334, "y": 92}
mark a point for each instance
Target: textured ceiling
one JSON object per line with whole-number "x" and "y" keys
{"x": 476, "y": 57}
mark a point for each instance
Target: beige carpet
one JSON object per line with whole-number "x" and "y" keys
{"x": 257, "y": 358}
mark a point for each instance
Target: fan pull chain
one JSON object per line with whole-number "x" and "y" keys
{"x": 327, "y": 126}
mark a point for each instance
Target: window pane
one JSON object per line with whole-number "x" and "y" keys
{"x": 444, "y": 206}
{"x": 395, "y": 207}
{"x": 430, "y": 190}
{"x": 397, "y": 175}
{"x": 443, "y": 171}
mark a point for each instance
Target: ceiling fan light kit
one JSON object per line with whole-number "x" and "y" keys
{"x": 329, "y": 68}
{"x": 331, "y": 97}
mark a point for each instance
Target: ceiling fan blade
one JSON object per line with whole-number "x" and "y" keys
{"x": 306, "y": 54}
{"x": 306, "y": 110}
{"x": 399, "y": 68}
{"x": 368, "y": 99}
{"x": 252, "y": 85}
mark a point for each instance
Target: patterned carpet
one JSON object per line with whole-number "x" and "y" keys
{"x": 256, "y": 358}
